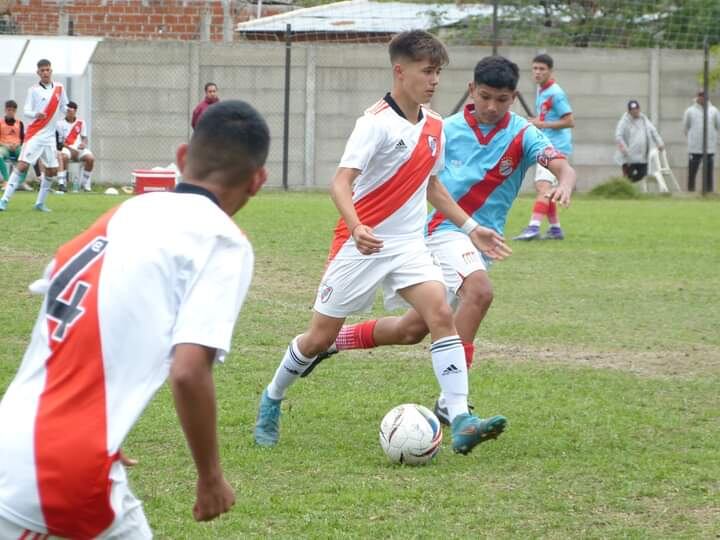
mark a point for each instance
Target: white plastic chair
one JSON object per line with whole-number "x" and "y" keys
{"x": 659, "y": 172}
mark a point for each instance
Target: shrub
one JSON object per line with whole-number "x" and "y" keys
{"x": 616, "y": 188}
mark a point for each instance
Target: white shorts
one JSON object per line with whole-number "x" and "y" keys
{"x": 34, "y": 149}
{"x": 82, "y": 154}
{"x": 349, "y": 285}
{"x": 458, "y": 258}
{"x": 130, "y": 521}
{"x": 134, "y": 526}
{"x": 544, "y": 175}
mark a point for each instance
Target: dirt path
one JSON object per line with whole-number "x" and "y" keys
{"x": 696, "y": 361}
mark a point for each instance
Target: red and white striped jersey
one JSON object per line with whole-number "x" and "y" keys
{"x": 50, "y": 99}
{"x": 396, "y": 159}
{"x": 159, "y": 270}
{"x": 71, "y": 133}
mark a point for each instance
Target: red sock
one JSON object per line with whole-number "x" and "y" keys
{"x": 552, "y": 214}
{"x": 356, "y": 336}
{"x": 540, "y": 210}
{"x": 469, "y": 353}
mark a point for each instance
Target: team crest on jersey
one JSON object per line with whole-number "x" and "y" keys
{"x": 325, "y": 292}
{"x": 506, "y": 166}
{"x": 548, "y": 155}
{"x": 432, "y": 143}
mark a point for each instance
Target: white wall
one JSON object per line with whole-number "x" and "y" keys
{"x": 143, "y": 93}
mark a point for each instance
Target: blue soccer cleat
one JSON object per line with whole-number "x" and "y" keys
{"x": 41, "y": 208}
{"x": 3, "y": 205}
{"x": 554, "y": 233}
{"x": 468, "y": 431}
{"x": 531, "y": 232}
{"x": 267, "y": 424}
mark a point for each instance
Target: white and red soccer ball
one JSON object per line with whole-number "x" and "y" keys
{"x": 410, "y": 434}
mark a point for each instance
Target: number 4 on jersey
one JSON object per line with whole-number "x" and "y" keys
{"x": 64, "y": 306}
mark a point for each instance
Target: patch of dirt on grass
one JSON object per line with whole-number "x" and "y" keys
{"x": 10, "y": 254}
{"x": 694, "y": 362}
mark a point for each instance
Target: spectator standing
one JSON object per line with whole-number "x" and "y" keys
{"x": 211, "y": 97}
{"x": 693, "y": 129}
{"x": 635, "y": 135}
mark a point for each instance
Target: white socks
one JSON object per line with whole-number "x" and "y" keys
{"x": 85, "y": 180}
{"x": 291, "y": 367}
{"x": 45, "y": 184}
{"x": 16, "y": 178}
{"x": 448, "y": 359}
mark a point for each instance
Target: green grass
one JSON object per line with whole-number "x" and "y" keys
{"x": 602, "y": 350}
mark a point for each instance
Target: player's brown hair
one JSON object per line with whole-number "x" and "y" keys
{"x": 417, "y": 45}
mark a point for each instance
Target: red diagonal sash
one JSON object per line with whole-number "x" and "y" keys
{"x": 479, "y": 193}
{"x": 49, "y": 111}
{"x": 71, "y": 452}
{"x": 74, "y": 132}
{"x": 382, "y": 202}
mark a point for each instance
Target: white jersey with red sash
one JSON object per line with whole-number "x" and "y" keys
{"x": 161, "y": 269}
{"x": 396, "y": 158}
{"x": 71, "y": 133}
{"x": 50, "y": 100}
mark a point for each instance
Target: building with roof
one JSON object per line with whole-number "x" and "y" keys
{"x": 359, "y": 20}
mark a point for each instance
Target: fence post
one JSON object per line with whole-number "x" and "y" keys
{"x": 286, "y": 115}
{"x": 707, "y": 171}
{"x": 310, "y": 74}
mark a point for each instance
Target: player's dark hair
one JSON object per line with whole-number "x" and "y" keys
{"x": 417, "y": 45}
{"x": 72, "y": 105}
{"x": 208, "y": 85}
{"x": 11, "y": 104}
{"x": 544, "y": 59}
{"x": 43, "y": 62}
{"x": 230, "y": 136}
{"x": 497, "y": 72}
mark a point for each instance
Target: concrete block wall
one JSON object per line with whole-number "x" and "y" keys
{"x": 143, "y": 94}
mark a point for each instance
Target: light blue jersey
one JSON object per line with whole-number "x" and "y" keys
{"x": 485, "y": 166}
{"x": 551, "y": 105}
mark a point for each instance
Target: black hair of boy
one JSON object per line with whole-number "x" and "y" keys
{"x": 497, "y": 72}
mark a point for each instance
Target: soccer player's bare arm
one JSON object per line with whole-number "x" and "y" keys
{"x": 566, "y": 176}
{"x": 341, "y": 194}
{"x": 194, "y": 393}
{"x": 567, "y": 121}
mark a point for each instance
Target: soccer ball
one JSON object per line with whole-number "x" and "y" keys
{"x": 410, "y": 434}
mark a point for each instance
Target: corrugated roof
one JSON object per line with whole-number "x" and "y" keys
{"x": 366, "y": 16}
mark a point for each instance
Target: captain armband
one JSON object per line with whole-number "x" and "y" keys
{"x": 548, "y": 155}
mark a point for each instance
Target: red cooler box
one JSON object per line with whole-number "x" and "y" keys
{"x": 147, "y": 180}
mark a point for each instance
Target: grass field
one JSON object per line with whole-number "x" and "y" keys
{"x": 603, "y": 351}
